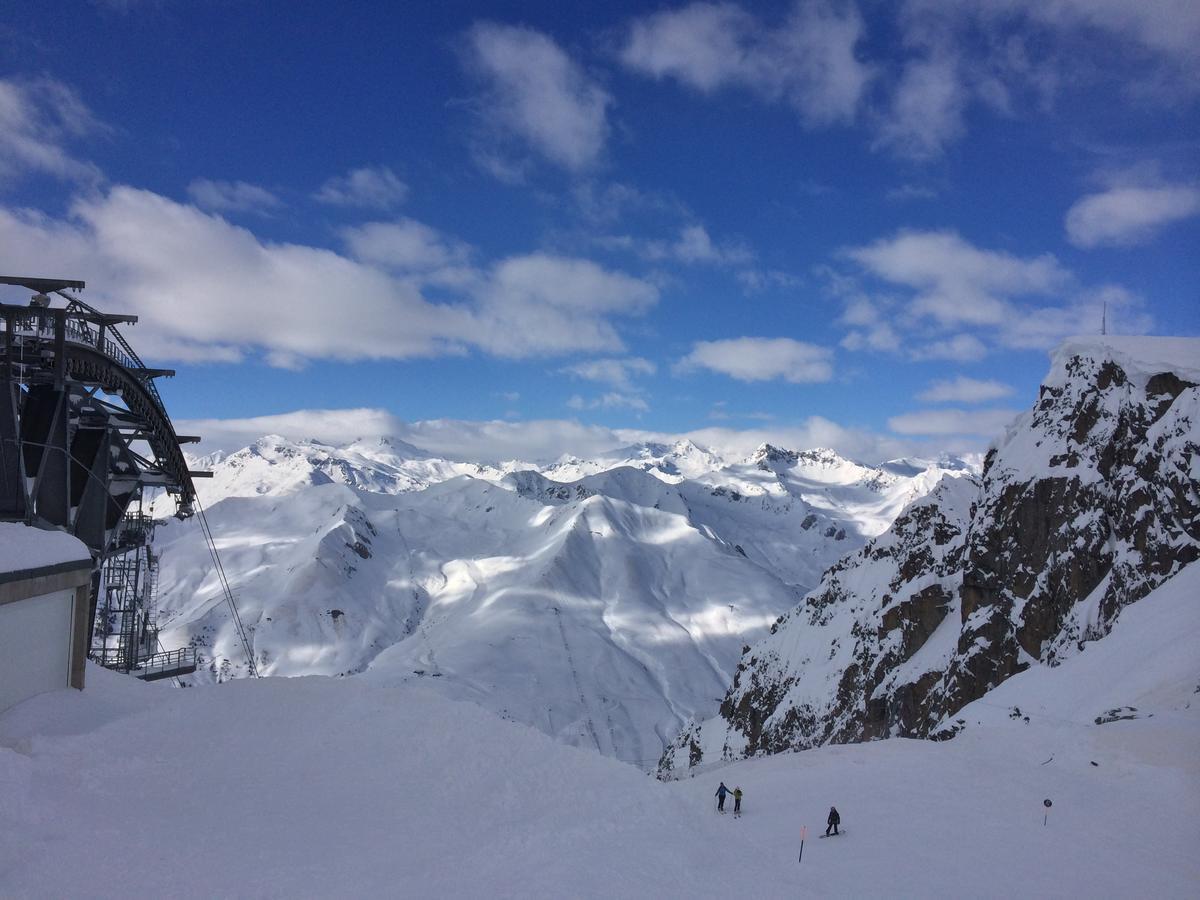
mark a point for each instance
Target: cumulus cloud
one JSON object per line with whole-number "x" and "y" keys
{"x": 206, "y": 289}
{"x": 617, "y": 373}
{"x": 947, "y": 299}
{"x": 232, "y": 196}
{"x": 537, "y": 94}
{"x": 956, "y": 282}
{"x": 540, "y": 304}
{"x": 982, "y": 422}
{"x": 1123, "y": 216}
{"x": 39, "y": 118}
{"x": 761, "y": 359}
{"x": 404, "y": 244}
{"x": 964, "y": 390}
{"x": 371, "y": 187}
{"x": 808, "y": 60}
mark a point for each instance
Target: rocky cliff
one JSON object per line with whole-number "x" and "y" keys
{"x": 1088, "y": 502}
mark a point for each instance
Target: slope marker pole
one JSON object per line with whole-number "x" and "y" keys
{"x": 803, "y": 835}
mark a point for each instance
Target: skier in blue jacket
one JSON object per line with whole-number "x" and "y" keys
{"x": 721, "y": 792}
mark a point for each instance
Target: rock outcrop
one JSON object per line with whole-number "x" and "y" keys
{"x": 1089, "y": 502}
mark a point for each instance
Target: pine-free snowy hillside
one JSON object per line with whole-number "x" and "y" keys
{"x": 1090, "y": 501}
{"x": 606, "y": 611}
{"x": 315, "y": 787}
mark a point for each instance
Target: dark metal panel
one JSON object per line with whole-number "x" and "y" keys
{"x": 89, "y": 484}
{"x": 52, "y": 487}
{"x": 12, "y": 485}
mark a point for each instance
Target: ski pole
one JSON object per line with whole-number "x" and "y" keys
{"x": 803, "y": 835}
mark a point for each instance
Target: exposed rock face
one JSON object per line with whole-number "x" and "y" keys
{"x": 1089, "y": 502}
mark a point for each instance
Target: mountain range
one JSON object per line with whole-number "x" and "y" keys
{"x": 605, "y": 601}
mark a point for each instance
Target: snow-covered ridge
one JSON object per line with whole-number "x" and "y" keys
{"x": 1140, "y": 358}
{"x": 1086, "y": 505}
{"x": 604, "y": 601}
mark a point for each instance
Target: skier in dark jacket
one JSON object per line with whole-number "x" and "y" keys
{"x": 721, "y": 792}
{"x": 737, "y": 802}
{"x": 834, "y": 820}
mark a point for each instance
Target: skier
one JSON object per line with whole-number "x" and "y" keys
{"x": 834, "y": 821}
{"x": 721, "y": 792}
{"x": 737, "y": 802}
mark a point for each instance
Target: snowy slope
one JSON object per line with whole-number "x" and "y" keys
{"x": 340, "y": 787}
{"x": 606, "y": 610}
{"x": 1090, "y": 501}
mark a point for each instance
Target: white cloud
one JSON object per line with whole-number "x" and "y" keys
{"x": 761, "y": 359}
{"x": 537, "y": 94}
{"x": 964, "y": 390}
{"x": 404, "y": 244}
{"x": 533, "y": 440}
{"x": 334, "y": 426}
{"x": 617, "y": 373}
{"x": 755, "y": 280}
{"x": 1122, "y": 216}
{"x": 548, "y": 439}
{"x": 963, "y": 298}
{"x": 1042, "y": 327}
{"x": 207, "y": 289}
{"x": 38, "y": 118}
{"x": 957, "y": 283}
{"x": 1170, "y": 28}
{"x": 610, "y": 400}
{"x": 809, "y": 60}
{"x": 541, "y": 304}
{"x": 232, "y": 196}
{"x": 926, "y": 110}
{"x": 371, "y": 187}
{"x": 694, "y": 245}
{"x": 606, "y": 203}
{"x": 959, "y": 348}
{"x": 983, "y": 422}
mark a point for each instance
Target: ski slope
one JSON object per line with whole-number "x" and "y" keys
{"x": 319, "y": 787}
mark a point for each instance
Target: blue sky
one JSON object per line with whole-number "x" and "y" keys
{"x": 561, "y": 226}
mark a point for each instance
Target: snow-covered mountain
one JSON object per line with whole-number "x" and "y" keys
{"x": 1089, "y": 502}
{"x": 606, "y": 609}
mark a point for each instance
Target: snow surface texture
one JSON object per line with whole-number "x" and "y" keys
{"x": 23, "y": 547}
{"x": 316, "y": 787}
{"x": 606, "y": 607}
{"x": 1089, "y": 501}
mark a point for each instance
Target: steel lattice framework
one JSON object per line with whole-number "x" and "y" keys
{"x": 83, "y": 430}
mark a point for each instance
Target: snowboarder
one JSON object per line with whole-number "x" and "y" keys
{"x": 737, "y": 802}
{"x": 721, "y": 792}
{"x": 833, "y": 821}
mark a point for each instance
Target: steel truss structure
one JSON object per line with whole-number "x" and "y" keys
{"x": 83, "y": 432}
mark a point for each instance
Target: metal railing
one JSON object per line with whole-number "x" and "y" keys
{"x": 164, "y": 665}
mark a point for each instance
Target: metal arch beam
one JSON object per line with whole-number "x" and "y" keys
{"x": 89, "y": 364}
